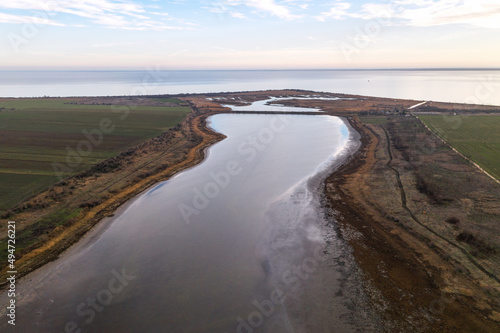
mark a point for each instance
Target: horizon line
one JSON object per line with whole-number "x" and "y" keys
{"x": 269, "y": 70}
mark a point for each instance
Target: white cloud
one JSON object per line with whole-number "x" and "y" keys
{"x": 427, "y": 13}
{"x": 337, "y": 11}
{"x": 237, "y": 15}
{"x": 482, "y": 13}
{"x": 265, "y": 6}
{"x": 7, "y": 18}
{"x": 424, "y": 13}
{"x": 117, "y": 14}
{"x": 271, "y": 7}
{"x": 161, "y": 14}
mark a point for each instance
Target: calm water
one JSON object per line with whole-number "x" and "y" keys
{"x": 456, "y": 86}
{"x": 264, "y": 105}
{"x": 235, "y": 244}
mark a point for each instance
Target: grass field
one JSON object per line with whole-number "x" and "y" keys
{"x": 43, "y": 139}
{"x": 476, "y": 137}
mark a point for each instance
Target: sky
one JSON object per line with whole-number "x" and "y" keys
{"x": 255, "y": 34}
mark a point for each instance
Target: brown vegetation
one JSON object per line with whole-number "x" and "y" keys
{"x": 396, "y": 194}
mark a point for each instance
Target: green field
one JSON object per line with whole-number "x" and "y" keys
{"x": 476, "y": 137}
{"x": 43, "y": 139}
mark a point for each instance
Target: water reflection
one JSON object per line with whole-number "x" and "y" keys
{"x": 251, "y": 257}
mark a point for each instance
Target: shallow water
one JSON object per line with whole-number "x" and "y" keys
{"x": 272, "y": 105}
{"x": 235, "y": 244}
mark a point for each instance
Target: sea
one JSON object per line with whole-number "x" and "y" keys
{"x": 445, "y": 85}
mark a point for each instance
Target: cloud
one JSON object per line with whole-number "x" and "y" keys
{"x": 265, "y": 6}
{"x": 118, "y": 14}
{"x": 424, "y": 13}
{"x": 481, "y": 13}
{"x": 338, "y": 11}
{"x": 7, "y": 18}
{"x": 271, "y": 7}
{"x": 237, "y": 15}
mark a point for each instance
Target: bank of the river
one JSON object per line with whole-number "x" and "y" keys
{"x": 145, "y": 166}
{"x": 414, "y": 288}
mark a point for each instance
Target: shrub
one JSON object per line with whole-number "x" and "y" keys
{"x": 6, "y": 214}
{"x": 466, "y": 237}
{"x": 473, "y": 240}
{"x": 452, "y": 220}
{"x": 90, "y": 204}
